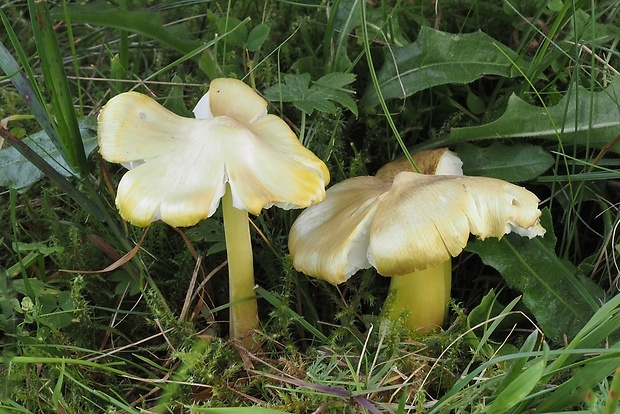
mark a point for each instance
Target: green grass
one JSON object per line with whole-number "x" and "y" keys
{"x": 100, "y": 316}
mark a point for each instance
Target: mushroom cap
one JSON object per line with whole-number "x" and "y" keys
{"x": 440, "y": 161}
{"x": 411, "y": 223}
{"x": 179, "y": 166}
{"x": 424, "y": 220}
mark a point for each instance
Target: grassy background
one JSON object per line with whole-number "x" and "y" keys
{"x": 151, "y": 334}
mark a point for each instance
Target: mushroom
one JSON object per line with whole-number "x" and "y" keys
{"x": 180, "y": 168}
{"x": 408, "y": 225}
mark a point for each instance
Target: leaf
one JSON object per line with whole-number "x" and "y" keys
{"x": 125, "y": 283}
{"x": 518, "y": 389}
{"x": 488, "y": 309}
{"x": 17, "y": 172}
{"x": 207, "y": 231}
{"x": 343, "y": 20}
{"x": 320, "y": 96}
{"x": 50, "y": 314}
{"x": 145, "y": 23}
{"x": 175, "y": 100}
{"x": 514, "y": 163}
{"x": 257, "y": 37}
{"x": 582, "y": 117}
{"x": 439, "y": 58}
{"x": 237, "y": 32}
{"x": 55, "y": 80}
{"x": 332, "y": 87}
{"x": 561, "y": 299}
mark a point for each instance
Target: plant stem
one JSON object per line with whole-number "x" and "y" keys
{"x": 243, "y": 305}
{"x": 425, "y": 294}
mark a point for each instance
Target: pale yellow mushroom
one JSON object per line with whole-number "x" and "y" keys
{"x": 180, "y": 168}
{"x": 408, "y": 225}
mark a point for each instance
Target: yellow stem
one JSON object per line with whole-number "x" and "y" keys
{"x": 424, "y": 294}
{"x": 243, "y": 308}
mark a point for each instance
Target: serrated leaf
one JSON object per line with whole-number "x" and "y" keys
{"x": 514, "y": 163}
{"x": 561, "y": 299}
{"x": 439, "y": 58}
{"x": 149, "y": 24}
{"x": 333, "y": 86}
{"x": 292, "y": 89}
{"x": 320, "y": 96}
{"x": 582, "y": 117}
{"x": 336, "y": 81}
{"x": 19, "y": 173}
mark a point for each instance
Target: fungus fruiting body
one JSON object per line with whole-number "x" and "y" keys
{"x": 408, "y": 226}
{"x": 180, "y": 168}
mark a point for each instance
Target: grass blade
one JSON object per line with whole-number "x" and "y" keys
{"x": 56, "y": 82}
{"x": 23, "y": 80}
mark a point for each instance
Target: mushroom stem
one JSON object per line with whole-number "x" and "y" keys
{"x": 424, "y": 294}
{"x": 243, "y": 305}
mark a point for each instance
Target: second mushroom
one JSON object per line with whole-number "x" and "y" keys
{"x": 408, "y": 226}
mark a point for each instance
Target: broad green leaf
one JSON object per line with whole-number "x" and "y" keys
{"x": 514, "y": 163}
{"x": 485, "y": 310}
{"x": 125, "y": 283}
{"x": 439, "y": 58}
{"x": 17, "y": 172}
{"x": 488, "y": 309}
{"x": 211, "y": 232}
{"x": 52, "y": 314}
{"x": 257, "y": 37}
{"x": 582, "y": 117}
{"x": 320, "y": 96}
{"x": 39, "y": 287}
{"x": 237, "y": 32}
{"x": 555, "y": 5}
{"x": 175, "y": 101}
{"x": 561, "y": 299}
{"x": 38, "y": 247}
{"x": 149, "y": 24}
